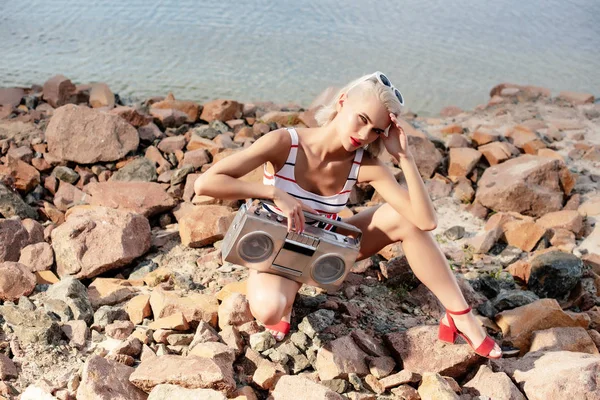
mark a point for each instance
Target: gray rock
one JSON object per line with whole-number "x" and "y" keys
{"x": 554, "y": 274}
{"x": 261, "y": 341}
{"x": 180, "y": 174}
{"x": 316, "y": 322}
{"x": 12, "y": 205}
{"x": 74, "y": 294}
{"x": 108, "y": 314}
{"x": 509, "y": 299}
{"x": 31, "y": 326}
{"x": 65, "y": 174}
{"x": 455, "y": 233}
{"x": 140, "y": 169}
{"x": 205, "y": 131}
{"x": 219, "y": 126}
{"x": 59, "y": 308}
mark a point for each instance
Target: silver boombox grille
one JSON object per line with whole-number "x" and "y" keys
{"x": 259, "y": 239}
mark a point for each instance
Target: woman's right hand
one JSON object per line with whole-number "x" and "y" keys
{"x": 292, "y": 209}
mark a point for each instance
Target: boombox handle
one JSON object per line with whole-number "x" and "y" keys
{"x": 316, "y": 217}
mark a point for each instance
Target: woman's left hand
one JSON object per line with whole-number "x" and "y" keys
{"x": 396, "y": 142}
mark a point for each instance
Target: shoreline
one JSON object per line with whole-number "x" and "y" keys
{"x": 112, "y": 279}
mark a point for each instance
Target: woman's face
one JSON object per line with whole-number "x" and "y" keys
{"x": 362, "y": 120}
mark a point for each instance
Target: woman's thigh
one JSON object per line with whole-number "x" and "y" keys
{"x": 381, "y": 225}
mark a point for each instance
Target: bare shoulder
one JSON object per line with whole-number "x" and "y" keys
{"x": 276, "y": 144}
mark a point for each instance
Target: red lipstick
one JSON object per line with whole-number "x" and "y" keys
{"x": 354, "y": 142}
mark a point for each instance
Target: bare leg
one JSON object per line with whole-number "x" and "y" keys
{"x": 382, "y": 225}
{"x": 271, "y": 298}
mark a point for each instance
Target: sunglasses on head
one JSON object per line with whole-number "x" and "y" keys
{"x": 385, "y": 81}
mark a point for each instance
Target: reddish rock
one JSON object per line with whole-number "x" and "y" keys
{"x": 87, "y": 136}
{"x": 77, "y": 332}
{"x": 196, "y": 158}
{"x": 222, "y": 110}
{"x": 523, "y": 234}
{"x": 13, "y": 237}
{"x": 574, "y": 339}
{"x": 110, "y": 291}
{"x": 11, "y": 96}
{"x": 138, "y": 308}
{"x": 190, "y": 372}
{"x": 188, "y": 107}
{"x": 267, "y": 374}
{"x": 195, "y": 307}
{"x": 294, "y": 387}
{"x": 528, "y": 184}
{"x": 97, "y": 239}
{"x": 340, "y": 357}
{"x": 119, "y": 329}
{"x": 564, "y": 219}
{"x": 104, "y": 379}
{"x": 495, "y": 385}
{"x": 457, "y": 140}
{"x": 234, "y": 310}
{"x": 576, "y": 97}
{"x": 8, "y": 370}
{"x": 172, "y": 144}
{"x": 169, "y": 117}
{"x": 554, "y": 375}
{"x": 203, "y": 225}
{"x": 24, "y": 176}
{"x": 58, "y": 91}
{"x": 134, "y": 117}
{"x": 519, "y": 324}
{"x": 166, "y": 391}
{"x": 37, "y": 257}
{"x": 420, "y": 351}
{"x": 484, "y": 135}
{"x": 533, "y": 147}
{"x": 34, "y": 229}
{"x": 68, "y": 196}
{"x": 144, "y": 198}
{"x": 15, "y": 281}
{"x": 434, "y": 386}
{"x": 150, "y": 132}
{"x": 101, "y": 96}
{"x": 450, "y": 111}
{"x": 426, "y": 156}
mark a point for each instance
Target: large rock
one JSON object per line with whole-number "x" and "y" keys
{"x": 15, "y": 281}
{"x": 294, "y": 387}
{"x": 529, "y": 185}
{"x": 419, "y": 350}
{"x": 88, "y": 136}
{"x": 195, "y": 307}
{"x": 104, "y": 379}
{"x": 140, "y": 197}
{"x": 189, "y": 107}
{"x": 74, "y": 294}
{"x": 31, "y": 326}
{"x": 165, "y": 391}
{"x": 12, "y": 205}
{"x": 190, "y": 372}
{"x": 222, "y": 110}
{"x": 24, "y": 176}
{"x": 13, "y": 237}
{"x": 97, "y": 239}
{"x": 203, "y": 225}
{"x": 58, "y": 91}
{"x": 339, "y": 358}
{"x": 555, "y": 375}
{"x": 496, "y": 385}
{"x": 519, "y": 324}
{"x": 554, "y": 274}
{"x": 426, "y": 156}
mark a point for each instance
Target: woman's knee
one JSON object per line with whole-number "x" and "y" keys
{"x": 268, "y": 307}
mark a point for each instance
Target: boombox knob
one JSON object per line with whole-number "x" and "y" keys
{"x": 257, "y": 211}
{"x": 279, "y": 218}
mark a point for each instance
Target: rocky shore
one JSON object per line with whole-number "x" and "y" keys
{"x": 112, "y": 284}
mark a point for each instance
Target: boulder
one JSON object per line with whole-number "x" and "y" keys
{"x": 87, "y": 136}
{"x": 529, "y": 185}
{"x": 97, "y": 239}
{"x": 144, "y": 198}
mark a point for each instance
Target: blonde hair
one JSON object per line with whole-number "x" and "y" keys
{"x": 328, "y": 112}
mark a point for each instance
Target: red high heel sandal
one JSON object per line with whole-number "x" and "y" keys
{"x": 281, "y": 326}
{"x": 449, "y": 333}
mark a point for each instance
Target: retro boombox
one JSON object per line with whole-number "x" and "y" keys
{"x": 259, "y": 239}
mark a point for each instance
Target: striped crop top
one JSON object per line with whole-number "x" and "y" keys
{"x": 327, "y": 206}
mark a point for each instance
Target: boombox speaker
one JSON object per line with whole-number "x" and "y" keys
{"x": 259, "y": 239}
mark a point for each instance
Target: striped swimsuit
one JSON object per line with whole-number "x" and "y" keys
{"x": 327, "y": 206}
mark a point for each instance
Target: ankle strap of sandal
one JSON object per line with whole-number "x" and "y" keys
{"x": 459, "y": 312}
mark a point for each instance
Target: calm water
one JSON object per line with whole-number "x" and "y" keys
{"x": 439, "y": 52}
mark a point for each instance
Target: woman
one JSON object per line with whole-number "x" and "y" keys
{"x": 314, "y": 169}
